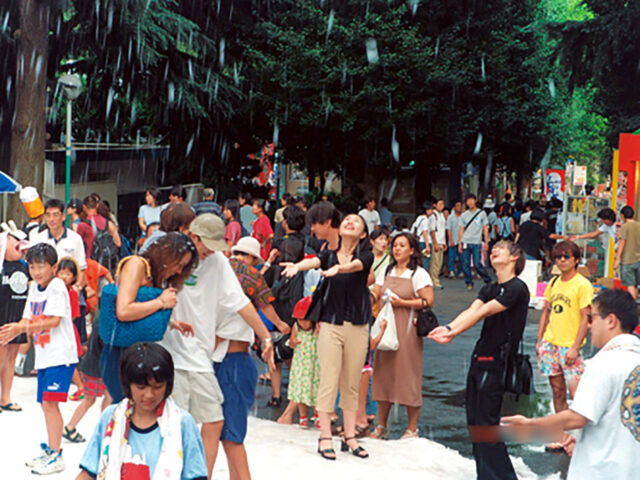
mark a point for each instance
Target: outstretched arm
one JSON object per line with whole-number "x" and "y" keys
{"x": 467, "y": 319}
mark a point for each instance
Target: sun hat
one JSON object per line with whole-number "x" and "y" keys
{"x": 210, "y": 228}
{"x": 248, "y": 245}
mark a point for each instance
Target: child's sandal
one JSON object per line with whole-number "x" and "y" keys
{"x": 72, "y": 435}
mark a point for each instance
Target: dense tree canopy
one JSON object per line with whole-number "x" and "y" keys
{"x": 354, "y": 85}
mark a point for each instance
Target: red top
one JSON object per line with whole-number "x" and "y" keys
{"x": 261, "y": 230}
{"x": 88, "y": 233}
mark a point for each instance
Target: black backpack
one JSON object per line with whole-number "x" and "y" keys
{"x": 105, "y": 251}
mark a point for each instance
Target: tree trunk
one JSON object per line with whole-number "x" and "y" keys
{"x": 29, "y": 126}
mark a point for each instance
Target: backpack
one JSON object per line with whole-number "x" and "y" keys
{"x": 504, "y": 226}
{"x": 105, "y": 251}
{"x": 243, "y": 231}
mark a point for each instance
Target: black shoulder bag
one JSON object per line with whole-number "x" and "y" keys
{"x": 518, "y": 373}
{"x": 426, "y": 320}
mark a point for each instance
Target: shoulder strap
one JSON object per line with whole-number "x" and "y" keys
{"x": 144, "y": 260}
{"x": 554, "y": 280}
{"x": 470, "y": 221}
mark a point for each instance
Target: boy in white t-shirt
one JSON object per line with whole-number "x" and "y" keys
{"x": 47, "y": 318}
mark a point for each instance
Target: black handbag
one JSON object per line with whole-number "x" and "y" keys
{"x": 518, "y": 373}
{"x": 426, "y": 320}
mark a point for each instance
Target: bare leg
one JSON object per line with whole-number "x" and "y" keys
{"x": 210, "y": 433}
{"x": 85, "y": 404}
{"x": 363, "y": 387}
{"x": 76, "y": 380}
{"x": 8, "y": 355}
{"x": 634, "y": 292}
{"x": 53, "y": 419}
{"x": 276, "y": 380}
{"x": 287, "y": 416}
{"x": 413, "y": 413}
{"x": 237, "y": 459}
{"x": 383, "y": 413}
{"x": 559, "y": 392}
{"x": 106, "y": 401}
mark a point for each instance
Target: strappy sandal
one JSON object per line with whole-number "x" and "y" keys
{"x": 362, "y": 431}
{"x": 325, "y": 453}
{"x": 381, "y": 433}
{"x": 357, "y": 452}
{"x": 72, "y": 435}
{"x": 11, "y": 407}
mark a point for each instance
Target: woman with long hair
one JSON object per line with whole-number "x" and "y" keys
{"x": 170, "y": 261}
{"x": 233, "y": 231}
{"x": 344, "y": 327}
{"x": 397, "y": 376}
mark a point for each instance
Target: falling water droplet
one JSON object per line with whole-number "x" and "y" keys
{"x": 482, "y": 69}
{"x": 395, "y": 146}
{"x": 476, "y": 150}
{"x": 109, "y": 101}
{"x": 372, "y": 51}
{"x": 171, "y": 93}
{"x": 332, "y": 15}
{"x": 552, "y": 87}
{"x": 236, "y": 76}
{"x": 221, "y": 53}
{"x": 414, "y": 6}
{"x": 276, "y": 133}
{"x": 437, "y": 49}
{"x": 190, "y": 145}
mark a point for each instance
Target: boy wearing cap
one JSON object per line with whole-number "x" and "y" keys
{"x": 14, "y": 282}
{"x": 210, "y": 294}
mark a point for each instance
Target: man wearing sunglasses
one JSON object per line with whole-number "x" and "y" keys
{"x": 606, "y": 406}
{"x": 563, "y": 327}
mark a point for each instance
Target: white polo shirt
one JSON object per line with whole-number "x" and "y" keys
{"x": 70, "y": 244}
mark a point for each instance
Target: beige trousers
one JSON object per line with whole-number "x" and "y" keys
{"x": 341, "y": 351}
{"x": 435, "y": 265}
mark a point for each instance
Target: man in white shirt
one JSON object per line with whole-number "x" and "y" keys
{"x": 420, "y": 229}
{"x": 453, "y": 233}
{"x": 438, "y": 239}
{"x": 66, "y": 242}
{"x": 608, "y": 218}
{"x": 370, "y": 215}
{"x": 606, "y": 407}
{"x": 209, "y": 295}
{"x": 474, "y": 226}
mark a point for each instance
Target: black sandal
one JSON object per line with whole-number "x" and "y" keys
{"x": 327, "y": 451}
{"x": 72, "y": 435}
{"x": 358, "y": 452}
{"x": 275, "y": 402}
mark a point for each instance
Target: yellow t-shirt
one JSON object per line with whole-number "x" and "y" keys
{"x": 566, "y": 300}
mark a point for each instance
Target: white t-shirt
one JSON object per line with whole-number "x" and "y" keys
{"x": 419, "y": 280}
{"x": 609, "y": 232}
{"x": 437, "y": 224}
{"x": 70, "y": 244}
{"x": 210, "y": 293}
{"x": 149, "y": 214}
{"x": 419, "y": 226}
{"x": 526, "y": 215}
{"x": 372, "y": 218}
{"x": 453, "y": 224}
{"x": 53, "y": 346}
{"x": 607, "y": 396}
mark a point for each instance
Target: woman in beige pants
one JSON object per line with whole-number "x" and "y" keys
{"x": 344, "y": 328}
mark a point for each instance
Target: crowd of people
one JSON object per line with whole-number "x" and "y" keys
{"x": 300, "y": 287}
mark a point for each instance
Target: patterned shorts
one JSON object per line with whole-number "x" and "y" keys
{"x": 551, "y": 361}
{"x": 93, "y": 386}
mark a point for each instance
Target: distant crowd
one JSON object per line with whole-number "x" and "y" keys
{"x": 165, "y": 327}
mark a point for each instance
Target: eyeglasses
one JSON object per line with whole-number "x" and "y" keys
{"x": 590, "y": 317}
{"x": 564, "y": 256}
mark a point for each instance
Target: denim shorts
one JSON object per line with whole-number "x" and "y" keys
{"x": 237, "y": 376}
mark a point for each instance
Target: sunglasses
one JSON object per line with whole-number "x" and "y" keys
{"x": 562, "y": 256}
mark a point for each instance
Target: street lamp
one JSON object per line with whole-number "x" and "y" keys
{"x": 71, "y": 88}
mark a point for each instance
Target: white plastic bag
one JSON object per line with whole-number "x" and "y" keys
{"x": 389, "y": 339}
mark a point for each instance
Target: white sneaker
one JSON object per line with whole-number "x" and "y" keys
{"x": 53, "y": 464}
{"x": 46, "y": 453}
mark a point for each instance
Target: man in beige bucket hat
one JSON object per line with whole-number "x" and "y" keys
{"x": 208, "y": 296}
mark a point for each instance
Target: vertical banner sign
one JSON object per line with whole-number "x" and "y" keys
{"x": 554, "y": 183}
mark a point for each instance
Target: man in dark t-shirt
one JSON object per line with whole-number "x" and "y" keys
{"x": 503, "y": 306}
{"x": 14, "y": 282}
{"x": 533, "y": 237}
